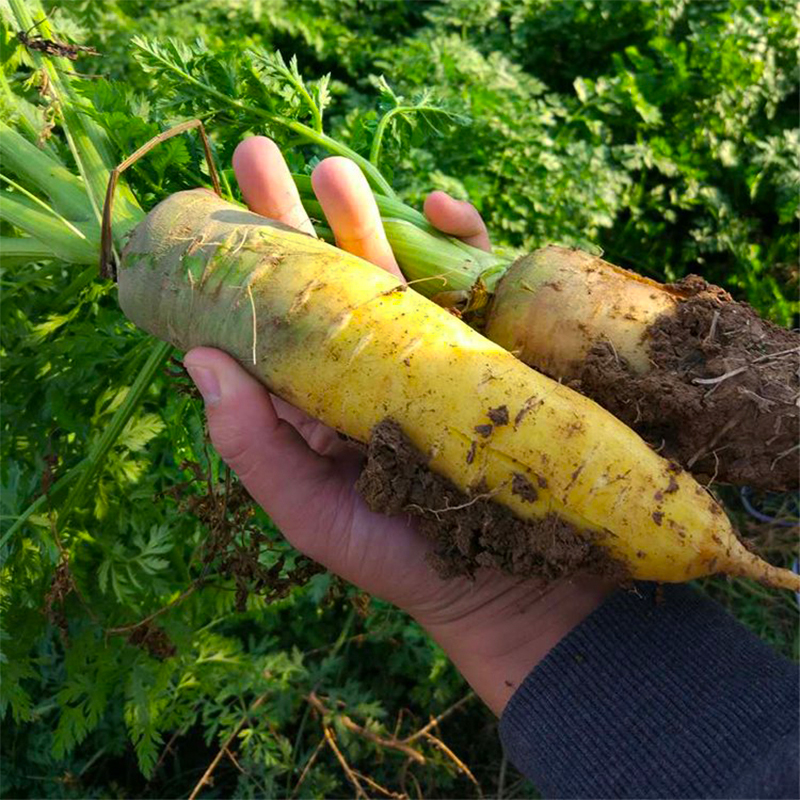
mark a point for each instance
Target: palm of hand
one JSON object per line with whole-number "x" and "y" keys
{"x": 384, "y": 556}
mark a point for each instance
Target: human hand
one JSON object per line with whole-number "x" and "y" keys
{"x": 495, "y": 628}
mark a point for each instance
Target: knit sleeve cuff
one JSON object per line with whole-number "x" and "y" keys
{"x": 656, "y": 694}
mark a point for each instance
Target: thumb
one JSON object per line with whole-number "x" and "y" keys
{"x": 257, "y": 445}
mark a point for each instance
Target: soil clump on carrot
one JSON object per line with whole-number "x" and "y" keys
{"x": 721, "y": 398}
{"x": 470, "y": 531}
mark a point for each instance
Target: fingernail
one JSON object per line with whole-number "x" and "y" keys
{"x": 206, "y": 381}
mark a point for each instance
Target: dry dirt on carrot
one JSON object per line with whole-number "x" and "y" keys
{"x": 742, "y": 428}
{"x": 469, "y": 532}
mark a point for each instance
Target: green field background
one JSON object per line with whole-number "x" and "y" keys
{"x": 138, "y": 654}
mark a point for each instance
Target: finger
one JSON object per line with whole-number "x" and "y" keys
{"x": 457, "y": 218}
{"x": 260, "y": 448}
{"x": 267, "y": 184}
{"x": 346, "y": 199}
{"x": 318, "y": 436}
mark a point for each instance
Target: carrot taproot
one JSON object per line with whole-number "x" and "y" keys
{"x": 349, "y": 344}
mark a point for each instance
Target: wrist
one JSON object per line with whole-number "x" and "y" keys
{"x": 497, "y": 642}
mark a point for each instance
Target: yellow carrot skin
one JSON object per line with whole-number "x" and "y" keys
{"x": 344, "y": 341}
{"x": 552, "y": 306}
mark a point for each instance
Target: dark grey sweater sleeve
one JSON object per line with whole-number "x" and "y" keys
{"x": 658, "y": 697}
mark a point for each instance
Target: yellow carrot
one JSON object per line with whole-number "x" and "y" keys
{"x": 344, "y": 341}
